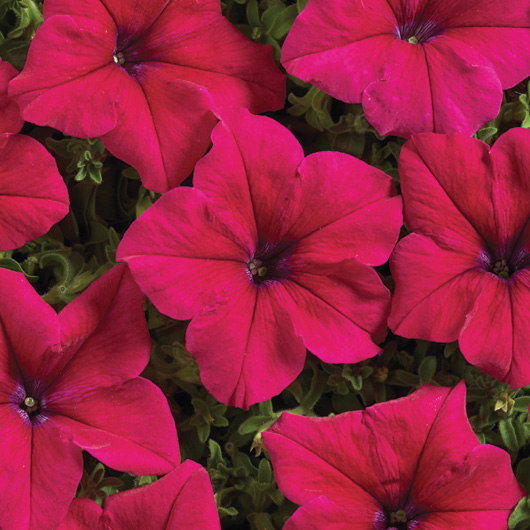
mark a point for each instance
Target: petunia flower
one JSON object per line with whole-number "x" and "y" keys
{"x": 270, "y": 253}
{"x": 183, "y": 499}
{"x": 464, "y": 272}
{"x": 33, "y": 195}
{"x": 69, "y": 382}
{"x": 409, "y": 464}
{"x": 416, "y": 65}
{"x": 143, "y": 75}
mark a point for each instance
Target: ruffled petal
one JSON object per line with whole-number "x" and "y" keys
{"x": 83, "y": 514}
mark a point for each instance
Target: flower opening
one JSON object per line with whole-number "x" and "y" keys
{"x": 30, "y": 403}
{"x": 269, "y": 263}
{"x": 419, "y": 32}
{"x": 119, "y": 58}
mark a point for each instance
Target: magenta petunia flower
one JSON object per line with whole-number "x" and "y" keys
{"x": 181, "y": 500}
{"x": 143, "y": 75}
{"x": 409, "y": 464}
{"x": 69, "y": 382}
{"x": 270, "y": 253}
{"x": 416, "y": 65}
{"x": 465, "y": 271}
{"x": 33, "y": 195}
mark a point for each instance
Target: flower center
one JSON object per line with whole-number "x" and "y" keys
{"x": 119, "y": 58}
{"x": 501, "y": 269}
{"x": 31, "y": 406}
{"x": 418, "y": 32}
{"x": 398, "y": 520}
{"x": 257, "y": 269}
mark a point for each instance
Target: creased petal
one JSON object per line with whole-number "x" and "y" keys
{"x": 355, "y": 459}
{"x": 78, "y": 99}
{"x": 181, "y": 266}
{"x": 182, "y": 499}
{"x": 245, "y": 177}
{"x": 418, "y": 93}
{"x": 338, "y": 310}
{"x": 33, "y": 196}
{"x": 30, "y": 329}
{"x": 486, "y": 339}
{"x": 429, "y": 281}
{"x": 42, "y": 469}
{"x": 355, "y": 215}
{"x": 323, "y": 513}
{"x": 354, "y": 50}
{"x": 128, "y": 427}
{"x": 95, "y": 349}
{"x": 448, "y": 186}
{"x": 163, "y": 125}
{"x": 240, "y": 73}
{"x": 511, "y": 194}
{"x": 260, "y": 355}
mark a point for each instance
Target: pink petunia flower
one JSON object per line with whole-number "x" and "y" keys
{"x": 409, "y": 464}
{"x": 416, "y": 65}
{"x": 465, "y": 271}
{"x": 270, "y": 253}
{"x": 33, "y": 195}
{"x": 182, "y": 500}
{"x": 69, "y": 382}
{"x": 143, "y": 75}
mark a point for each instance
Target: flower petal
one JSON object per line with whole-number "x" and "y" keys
{"x": 246, "y": 174}
{"x": 83, "y": 514}
{"x": 447, "y": 183}
{"x": 338, "y": 310}
{"x": 181, "y": 266}
{"x": 175, "y": 123}
{"x": 239, "y": 73}
{"x": 95, "y": 350}
{"x": 79, "y": 98}
{"x": 511, "y": 194}
{"x": 343, "y": 208}
{"x": 435, "y": 290}
{"x": 340, "y": 58}
{"x": 259, "y": 356}
{"x": 487, "y": 337}
{"x": 323, "y": 513}
{"x": 128, "y": 427}
{"x": 182, "y": 499}
{"x": 29, "y": 329}
{"x": 430, "y": 88}
{"x": 356, "y": 459}
{"x": 40, "y": 470}
{"x": 10, "y": 120}
{"x": 33, "y": 196}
